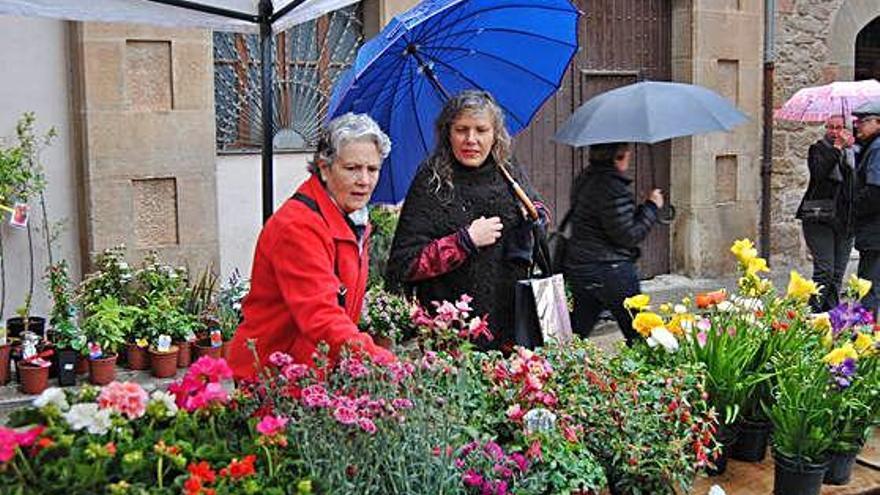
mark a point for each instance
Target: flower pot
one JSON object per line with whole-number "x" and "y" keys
{"x": 5, "y": 351}
{"x": 164, "y": 364}
{"x": 34, "y": 379}
{"x": 82, "y": 365}
{"x": 840, "y": 467}
{"x": 50, "y": 347}
{"x": 184, "y": 353}
{"x": 65, "y": 360}
{"x": 15, "y": 326}
{"x": 102, "y": 370}
{"x": 751, "y": 443}
{"x": 727, "y": 438}
{"x": 138, "y": 358}
{"x": 797, "y": 477}
{"x": 203, "y": 348}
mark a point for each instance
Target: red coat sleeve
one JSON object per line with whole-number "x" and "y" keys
{"x": 304, "y": 272}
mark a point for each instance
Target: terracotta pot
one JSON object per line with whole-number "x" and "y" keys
{"x": 164, "y": 364}
{"x": 34, "y": 379}
{"x": 5, "y": 351}
{"x": 137, "y": 357}
{"x": 103, "y": 370}
{"x": 184, "y": 353}
{"x": 82, "y": 365}
{"x": 203, "y": 348}
{"x": 65, "y": 360}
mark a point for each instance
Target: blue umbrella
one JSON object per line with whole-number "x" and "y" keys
{"x": 649, "y": 112}
{"x": 518, "y": 50}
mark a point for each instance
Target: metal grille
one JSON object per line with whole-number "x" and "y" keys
{"x": 312, "y": 56}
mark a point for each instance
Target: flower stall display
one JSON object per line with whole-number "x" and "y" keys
{"x": 106, "y": 326}
{"x": 387, "y": 317}
{"x": 69, "y": 340}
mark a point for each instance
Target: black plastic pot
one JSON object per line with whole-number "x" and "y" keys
{"x": 840, "y": 468}
{"x": 726, "y": 436}
{"x": 796, "y": 476}
{"x": 15, "y": 326}
{"x": 751, "y": 443}
{"x": 65, "y": 362}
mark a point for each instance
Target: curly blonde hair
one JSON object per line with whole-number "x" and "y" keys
{"x": 442, "y": 158}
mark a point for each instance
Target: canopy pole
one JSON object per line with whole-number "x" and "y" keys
{"x": 767, "y": 141}
{"x": 268, "y": 182}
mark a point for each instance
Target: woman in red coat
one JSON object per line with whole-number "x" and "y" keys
{"x": 311, "y": 261}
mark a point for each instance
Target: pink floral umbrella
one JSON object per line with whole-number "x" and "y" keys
{"x": 820, "y": 102}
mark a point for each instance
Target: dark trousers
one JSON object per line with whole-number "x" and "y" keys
{"x": 599, "y": 286}
{"x": 869, "y": 269}
{"x": 830, "y": 251}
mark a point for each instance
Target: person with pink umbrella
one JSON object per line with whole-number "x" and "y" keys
{"x": 867, "y": 200}
{"x": 826, "y": 211}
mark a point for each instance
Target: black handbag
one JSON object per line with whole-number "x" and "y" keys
{"x": 819, "y": 210}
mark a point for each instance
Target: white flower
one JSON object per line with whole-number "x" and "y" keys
{"x": 87, "y": 415}
{"x": 167, "y": 400}
{"x": 663, "y": 337}
{"x": 749, "y": 303}
{"x": 680, "y": 309}
{"x": 725, "y": 306}
{"x": 539, "y": 419}
{"x": 54, "y": 396}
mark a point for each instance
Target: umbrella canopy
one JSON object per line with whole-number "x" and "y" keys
{"x": 649, "y": 112}
{"x": 518, "y": 50}
{"x": 224, "y": 15}
{"x": 815, "y": 104}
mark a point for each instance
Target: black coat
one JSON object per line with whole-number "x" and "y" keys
{"x": 831, "y": 177}
{"x": 607, "y": 225}
{"x": 867, "y": 203}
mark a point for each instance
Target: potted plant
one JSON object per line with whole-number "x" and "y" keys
{"x": 5, "y": 350}
{"x": 33, "y": 369}
{"x": 228, "y": 307}
{"x": 24, "y": 322}
{"x": 803, "y": 427}
{"x": 386, "y": 317}
{"x": 105, "y": 328}
{"x": 67, "y": 337}
{"x": 163, "y": 357}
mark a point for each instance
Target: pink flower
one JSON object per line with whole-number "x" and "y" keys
{"x": 402, "y": 404}
{"x": 354, "y": 368}
{"x": 293, "y": 372}
{"x": 367, "y": 425}
{"x": 520, "y": 460}
{"x": 280, "y": 359}
{"x": 515, "y": 413}
{"x": 701, "y": 338}
{"x": 472, "y": 479}
{"x": 400, "y": 371}
{"x": 315, "y": 396}
{"x": 126, "y": 398}
{"x": 272, "y": 425}
{"x": 463, "y": 303}
{"x": 11, "y": 440}
{"x": 210, "y": 370}
{"x": 211, "y": 394}
{"x": 345, "y": 415}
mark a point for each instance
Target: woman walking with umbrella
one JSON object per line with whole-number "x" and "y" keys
{"x": 462, "y": 230}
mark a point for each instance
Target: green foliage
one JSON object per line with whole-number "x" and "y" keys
{"x": 21, "y": 175}
{"x": 384, "y": 221}
{"x": 387, "y": 315}
{"x": 109, "y": 323}
{"x": 229, "y": 299}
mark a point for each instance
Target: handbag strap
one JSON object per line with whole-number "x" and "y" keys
{"x": 313, "y": 205}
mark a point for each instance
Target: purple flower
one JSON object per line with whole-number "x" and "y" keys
{"x": 472, "y": 478}
{"x": 842, "y": 373}
{"x": 847, "y": 315}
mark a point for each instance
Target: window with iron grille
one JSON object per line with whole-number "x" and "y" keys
{"x": 308, "y": 58}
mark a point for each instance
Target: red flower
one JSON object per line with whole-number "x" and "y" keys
{"x": 202, "y": 470}
{"x": 534, "y": 451}
{"x": 240, "y": 469}
{"x": 110, "y": 448}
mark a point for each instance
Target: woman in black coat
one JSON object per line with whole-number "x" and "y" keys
{"x": 826, "y": 211}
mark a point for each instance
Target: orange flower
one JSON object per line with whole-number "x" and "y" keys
{"x": 708, "y": 299}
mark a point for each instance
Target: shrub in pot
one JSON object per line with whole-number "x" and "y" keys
{"x": 163, "y": 358}
{"x": 803, "y": 426}
{"x": 34, "y": 373}
{"x": 105, "y": 327}
{"x": 386, "y": 317}
{"x": 68, "y": 339}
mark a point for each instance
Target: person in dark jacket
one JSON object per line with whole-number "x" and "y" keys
{"x": 867, "y": 201}
{"x": 461, "y": 230}
{"x": 607, "y": 228}
{"x": 828, "y": 232}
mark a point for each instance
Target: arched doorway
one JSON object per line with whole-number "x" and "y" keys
{"x": 867, "y": 59}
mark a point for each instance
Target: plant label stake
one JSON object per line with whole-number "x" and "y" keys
{"x": 216, "y": 338}
{"x": 164, "y": 344}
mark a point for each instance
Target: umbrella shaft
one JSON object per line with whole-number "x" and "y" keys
{"x": 426, "y": 68}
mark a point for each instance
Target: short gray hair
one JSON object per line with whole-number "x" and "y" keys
{"x": 346, "y": 129}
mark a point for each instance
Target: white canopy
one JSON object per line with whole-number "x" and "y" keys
{"x": 228, "y": 15}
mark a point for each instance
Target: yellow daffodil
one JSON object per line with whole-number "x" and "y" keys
{"x": 645, "y": 322}
{"x": 859, "y": 286}
{"x": 822, "y": 322}
{"x": 800, "y": 288}
{"x": 841, "y": 354}
{"x": 638, "y": 302}
{"x": 864, "y": 344}
{"x": 744, "y": 250}
{"x": 665, "y": 308}
{"x": 756, "y": 265}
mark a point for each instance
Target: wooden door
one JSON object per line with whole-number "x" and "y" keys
{"x": 622, "y": 41}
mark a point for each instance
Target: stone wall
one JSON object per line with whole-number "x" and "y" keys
{"x": 815, "y": 42}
